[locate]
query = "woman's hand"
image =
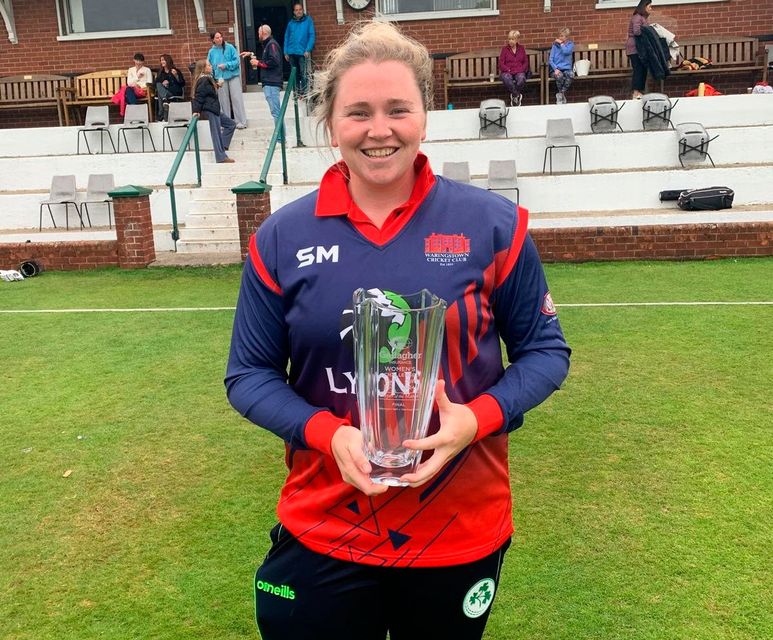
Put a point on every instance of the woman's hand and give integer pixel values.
(458, 426)
(347, 449)
(221, 66)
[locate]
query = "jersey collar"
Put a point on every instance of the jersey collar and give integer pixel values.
(334, 200)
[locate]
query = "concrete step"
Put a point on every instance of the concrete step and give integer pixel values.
(199, 246)
(220, 234)
(213, 220)
(218, 194)
(202, 208)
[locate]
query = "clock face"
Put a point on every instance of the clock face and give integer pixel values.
(358, 5)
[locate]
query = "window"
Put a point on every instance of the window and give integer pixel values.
(434, 9)
(616, 4)
(79, 19)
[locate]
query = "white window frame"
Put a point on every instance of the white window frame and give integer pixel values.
(617, 4)
(75, 7)
(436, 15)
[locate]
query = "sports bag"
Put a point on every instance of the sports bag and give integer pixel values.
(671, 194)
(706, 199)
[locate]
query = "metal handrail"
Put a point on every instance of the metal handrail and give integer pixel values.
(278, 134)
(191, 131)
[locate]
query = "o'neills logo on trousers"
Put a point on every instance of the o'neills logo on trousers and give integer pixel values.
(283, 591)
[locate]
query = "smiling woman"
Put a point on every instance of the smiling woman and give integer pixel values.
(347, 548)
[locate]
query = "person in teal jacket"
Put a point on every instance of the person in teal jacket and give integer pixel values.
(299, 41)
(226, 68)
(560, 63)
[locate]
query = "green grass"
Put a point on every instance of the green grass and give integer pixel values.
(643, 489)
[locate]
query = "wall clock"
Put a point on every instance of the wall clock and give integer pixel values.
(358, 5)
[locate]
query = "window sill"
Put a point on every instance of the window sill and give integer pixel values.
(100, 35)
(630, 4)
(437, 15)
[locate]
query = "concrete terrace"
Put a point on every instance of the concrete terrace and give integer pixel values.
(623, 172)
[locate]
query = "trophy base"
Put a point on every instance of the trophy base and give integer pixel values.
(390, 476)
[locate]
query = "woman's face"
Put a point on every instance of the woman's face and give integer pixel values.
(378, 122)
(163, 62)
(648, 8)
(208, 68)
(138, 64)
(512, 41)
(218, 39)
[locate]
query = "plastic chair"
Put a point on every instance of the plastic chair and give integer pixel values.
(99, 185)
(179, 117)
(656, 111)
(62, 192)
(135, 118)
(694, 142)
(502, 176)
(97, 119)
(603, 114)
(560, 135)
(459, 171)
(493, 118)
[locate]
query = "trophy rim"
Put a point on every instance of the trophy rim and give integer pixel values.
(437, 301)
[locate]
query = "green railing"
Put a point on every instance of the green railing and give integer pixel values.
(190, 132)
(278, 134)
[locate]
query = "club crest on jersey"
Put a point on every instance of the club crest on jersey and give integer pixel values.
(446, 249)
(548, 308)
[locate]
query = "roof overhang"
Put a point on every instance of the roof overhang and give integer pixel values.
(6, 10)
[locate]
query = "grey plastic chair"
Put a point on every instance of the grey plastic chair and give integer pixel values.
(560, 135)
(603, 114)
(693, 142)
(502, 176)
(178, 117)
(459, 171)
(97, 119)
(136, 118)
(493, 118)
(656, 112)
(99, 185)
(63, 191)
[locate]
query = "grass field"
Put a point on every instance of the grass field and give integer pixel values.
(643, 489)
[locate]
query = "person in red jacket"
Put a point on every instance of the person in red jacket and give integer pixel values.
(514, 68)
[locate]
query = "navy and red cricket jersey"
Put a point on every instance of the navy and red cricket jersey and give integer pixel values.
(465, 245)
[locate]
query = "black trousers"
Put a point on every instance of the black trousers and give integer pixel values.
(299, 62)
(639, 77)
(303, 595)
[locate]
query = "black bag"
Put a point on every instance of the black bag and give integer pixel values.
(706, 199)
(671, 194)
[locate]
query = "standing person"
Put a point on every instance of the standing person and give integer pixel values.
(560, 61)
(205, 101)
(226, 66)
(637, 21)
(170, 83)
(514, 67)
(346, 551)
(270, 64)
(299, 41)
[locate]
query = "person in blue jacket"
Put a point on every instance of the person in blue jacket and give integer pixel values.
(561, 64)
(226, 67)
(299, 41)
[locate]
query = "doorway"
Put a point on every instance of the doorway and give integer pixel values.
(276, 14)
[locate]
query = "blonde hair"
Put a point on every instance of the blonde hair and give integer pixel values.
(199, 71)
(565, 32)
(514, 34)
(370, 42)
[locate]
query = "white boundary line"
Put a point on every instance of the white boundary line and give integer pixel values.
(576, 305)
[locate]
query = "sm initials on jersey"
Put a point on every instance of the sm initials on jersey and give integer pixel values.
(316, 255)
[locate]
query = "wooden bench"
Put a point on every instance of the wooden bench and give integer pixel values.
(96, 88)
(476, 68)
(32, 91)
(728, 54)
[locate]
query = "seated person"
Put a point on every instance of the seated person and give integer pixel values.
(514, 67)
(170, 85)
(561, 64)
(139, 78)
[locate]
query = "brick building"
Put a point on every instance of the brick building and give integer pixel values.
(68, 37)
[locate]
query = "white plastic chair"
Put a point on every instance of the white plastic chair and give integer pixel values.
(693, 142)
(135, 118)
(559, 135)
(178, 117)
(99, 185)
(63, 191)
(493, 118)
(97, 119)
(458, 171)
(656, 111)
(502, 176)
(603, 114)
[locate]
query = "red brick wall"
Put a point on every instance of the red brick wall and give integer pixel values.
(666, 242)
(61, 256)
